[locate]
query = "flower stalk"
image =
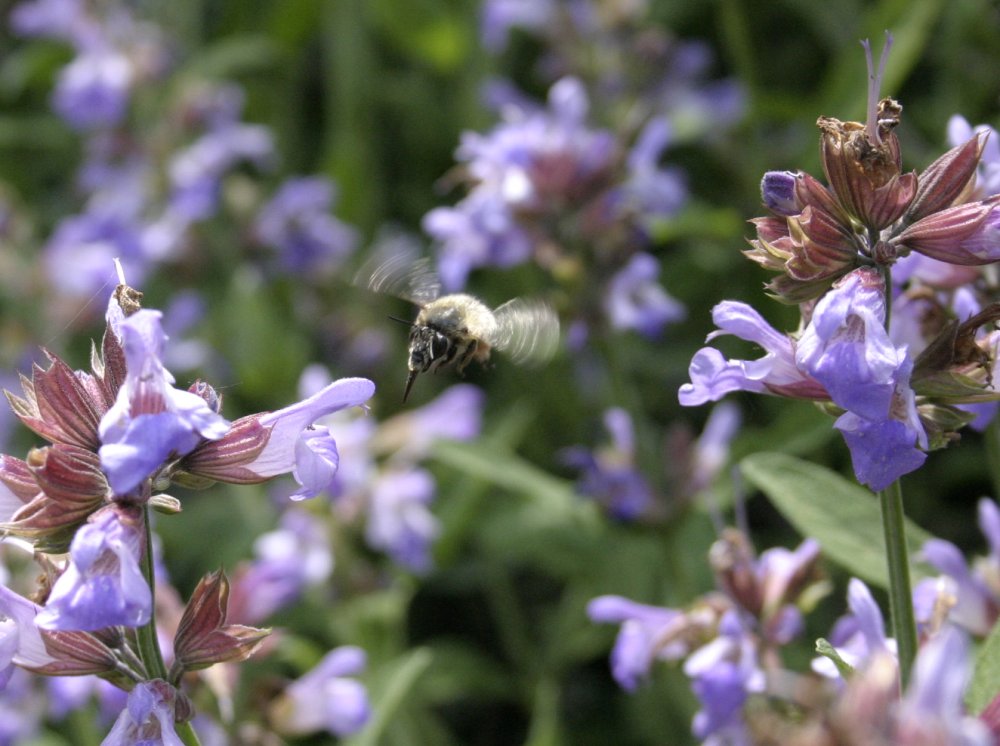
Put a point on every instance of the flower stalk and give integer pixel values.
(904, 624)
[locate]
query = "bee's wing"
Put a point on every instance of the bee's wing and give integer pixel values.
(402, 276)
(527, 330)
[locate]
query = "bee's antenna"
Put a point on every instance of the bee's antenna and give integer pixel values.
(402, 321)
(409, 383)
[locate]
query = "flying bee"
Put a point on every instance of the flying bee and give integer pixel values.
(456, 329)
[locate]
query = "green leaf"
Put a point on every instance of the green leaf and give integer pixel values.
(843, 517)
(824, 648)
(390, 690)
(985, 684)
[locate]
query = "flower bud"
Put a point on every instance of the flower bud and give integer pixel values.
(948, 179)
(203, 637)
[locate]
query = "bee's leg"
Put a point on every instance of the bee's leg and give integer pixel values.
(466, 356)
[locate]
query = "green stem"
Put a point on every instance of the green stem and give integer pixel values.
(904, 626)
(149, 644)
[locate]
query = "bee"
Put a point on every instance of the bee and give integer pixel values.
(457, 329)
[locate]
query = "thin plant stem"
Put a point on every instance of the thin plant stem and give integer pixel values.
(904, 626)
(149, 644)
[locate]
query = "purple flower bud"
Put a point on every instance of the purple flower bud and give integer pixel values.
(103, 585)
(777, 190)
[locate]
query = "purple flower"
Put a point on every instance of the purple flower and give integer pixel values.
(150, 420)
(723, 673)
(456, 414)
(103, 585)
(932, 710)
(712, 376)
(55, 19)
(479, 232)
(650, 191)
(535, 162)
(399, 521)
(972, 593)
(297, 223)
(196, 172)
(858, 636)
(325, 699)
(295, 446)
(79, 254)
(635, 300)
(92, 91)
(711, 450)
(610, 474)
(287, 561)
(148, 717)
(648, 633)
(500, 16)
(20, 641)
(846, 348)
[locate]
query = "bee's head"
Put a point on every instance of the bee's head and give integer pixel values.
(429, 348)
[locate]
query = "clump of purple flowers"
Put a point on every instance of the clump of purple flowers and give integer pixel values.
(897, 393)
(118, 437)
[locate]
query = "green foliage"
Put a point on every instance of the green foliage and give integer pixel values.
(985, 684)
(841, 516)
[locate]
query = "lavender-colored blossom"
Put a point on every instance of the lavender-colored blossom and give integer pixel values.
(288, 560)
(21, 639)
(846, 348)
(651, 191)
(988, 175)
(295, 447)
(500, 16)
(150, 420)
(21, 710)
(479, 232)
(103, 585)
(399, 520)
(79, 255)
(55, 19)
(609, 475)
(635, 300)
(712, 376)
(148, 718)
(456, 414)
(711, 450)
(972, 594)
(326, 698)
(932, 710)
(724, 672)
(92, 91)
(297, 223)
(535, 161)
(858, 636)
(196, 172)
(645, 636)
